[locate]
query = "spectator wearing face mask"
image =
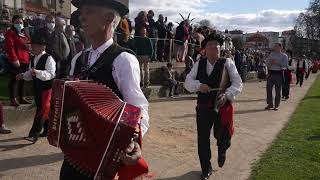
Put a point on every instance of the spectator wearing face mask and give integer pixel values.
(47, 32)
(17, 50)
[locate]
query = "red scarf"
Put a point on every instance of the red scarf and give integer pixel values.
(226, 121)
(132, 172)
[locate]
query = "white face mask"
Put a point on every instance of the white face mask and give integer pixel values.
(51, 26)
(73, 33)
(64, 28)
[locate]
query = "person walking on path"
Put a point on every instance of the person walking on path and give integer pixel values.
(212, 108)
(276, 63)
(302, 69)
(287, 79)
(42, 70)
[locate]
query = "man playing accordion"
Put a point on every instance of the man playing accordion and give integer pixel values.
(109, 64)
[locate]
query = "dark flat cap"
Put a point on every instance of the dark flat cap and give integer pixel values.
(37, 39)
(119, 5)
(213, 37)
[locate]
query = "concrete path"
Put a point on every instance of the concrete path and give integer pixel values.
(170, 146)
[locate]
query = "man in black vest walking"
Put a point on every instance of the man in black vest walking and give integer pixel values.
(205, 78)
(108, 63)
(301, 69)
(42, 71)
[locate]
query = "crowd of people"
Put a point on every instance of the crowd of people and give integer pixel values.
(43, 49)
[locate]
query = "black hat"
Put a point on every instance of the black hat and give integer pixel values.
(119, 5)
(212, 37)
(75, 20)
(37, 39)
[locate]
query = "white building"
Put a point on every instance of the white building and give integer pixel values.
(39, 6)
(273, 37)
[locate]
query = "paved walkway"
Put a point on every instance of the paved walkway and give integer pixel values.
(170, 145)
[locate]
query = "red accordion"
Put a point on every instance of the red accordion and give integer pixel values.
(92, 126)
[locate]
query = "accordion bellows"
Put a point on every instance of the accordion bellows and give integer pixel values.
(92, 126)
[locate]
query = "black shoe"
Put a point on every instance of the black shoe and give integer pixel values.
(32, 139)
(276, 108)
(287, 97)
(45, 129)
(24, 101)
(44, 134)
(268, 107)
(14, 102)
(221, 158)
(206, 176)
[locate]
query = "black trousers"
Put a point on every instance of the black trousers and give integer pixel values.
(13, 83)
(206, 118)
(62, 68)
(300, 77)
(173, 86)
(67, 172)
(38, 121)
(160, 50)
(274, 79)
(286, 87)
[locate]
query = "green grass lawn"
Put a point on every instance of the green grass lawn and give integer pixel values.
(295, 154)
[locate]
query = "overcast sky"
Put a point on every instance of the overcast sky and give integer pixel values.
(247, 15)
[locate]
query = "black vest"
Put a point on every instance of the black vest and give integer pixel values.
(101, 70)
(212, 80)
(40, 85)
(303, 66)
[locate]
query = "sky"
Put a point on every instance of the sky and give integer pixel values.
(246, 15)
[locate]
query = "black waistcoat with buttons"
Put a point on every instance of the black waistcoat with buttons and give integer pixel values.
(101, 70)
(40, 85)
(212, 80)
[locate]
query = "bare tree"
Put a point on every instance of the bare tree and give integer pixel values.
(307, 30)
(205, 22)
(238, 42)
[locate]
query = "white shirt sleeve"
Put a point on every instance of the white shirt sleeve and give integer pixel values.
(126, 75)
(27, 75)
(73, 63)
(191, 84)
(49, 73)
(236, 82)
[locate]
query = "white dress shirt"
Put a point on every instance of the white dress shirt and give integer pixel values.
(126, 74)
(193, 85)
(300, 64)
(43, 75)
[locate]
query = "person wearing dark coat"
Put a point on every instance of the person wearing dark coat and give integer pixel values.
(162, 35)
